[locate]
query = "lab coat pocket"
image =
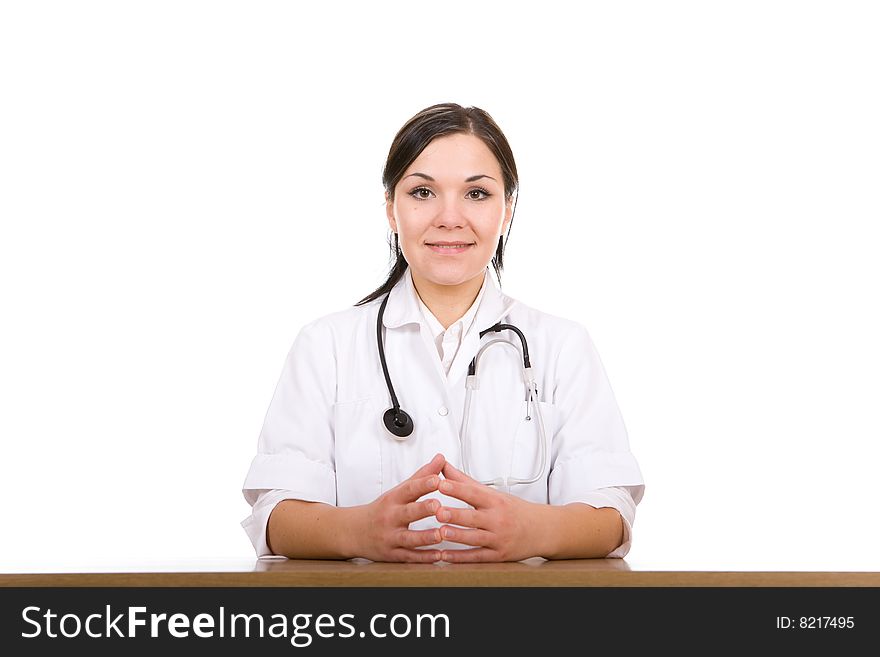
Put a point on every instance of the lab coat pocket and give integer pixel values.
(358, 452)
(527, 456)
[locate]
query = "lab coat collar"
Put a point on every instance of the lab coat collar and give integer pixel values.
(403, 306)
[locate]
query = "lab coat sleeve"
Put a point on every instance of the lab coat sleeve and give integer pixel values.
(591, 458)
(294, 457)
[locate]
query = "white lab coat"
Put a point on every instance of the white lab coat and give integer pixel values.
(323, 439)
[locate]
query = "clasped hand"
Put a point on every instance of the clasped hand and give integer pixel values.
(499, 527)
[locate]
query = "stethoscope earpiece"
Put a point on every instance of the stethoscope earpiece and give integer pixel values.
(398, 423)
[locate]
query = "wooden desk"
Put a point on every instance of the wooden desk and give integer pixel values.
(533, 572)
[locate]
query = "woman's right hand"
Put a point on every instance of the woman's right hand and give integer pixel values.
(381, 531)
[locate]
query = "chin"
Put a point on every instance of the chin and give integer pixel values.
(449, 275)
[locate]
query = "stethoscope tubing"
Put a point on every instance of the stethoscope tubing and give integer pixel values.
(400, 425)
(473, 383)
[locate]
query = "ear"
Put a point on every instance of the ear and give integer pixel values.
(508, 215)
(389, 212)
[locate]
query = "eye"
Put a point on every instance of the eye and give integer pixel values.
(478, 194)
(421, 193)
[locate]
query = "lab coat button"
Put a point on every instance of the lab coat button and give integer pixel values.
(443, 410)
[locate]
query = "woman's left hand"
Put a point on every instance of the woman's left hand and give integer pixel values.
(501, 527)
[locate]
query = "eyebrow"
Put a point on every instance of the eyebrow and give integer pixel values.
(469, 179)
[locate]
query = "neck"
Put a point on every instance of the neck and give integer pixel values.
(448, 302)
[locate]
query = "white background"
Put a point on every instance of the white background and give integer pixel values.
(183, 185)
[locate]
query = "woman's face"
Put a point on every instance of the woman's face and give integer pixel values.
(452, 194)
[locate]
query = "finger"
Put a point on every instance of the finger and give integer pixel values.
(412, 489)
(418, 510)
(476, 537)
(477, 495)
(451, 472)
(415, 556)
(412, 538)
(471, 555)
(463, 517)
(434, 466)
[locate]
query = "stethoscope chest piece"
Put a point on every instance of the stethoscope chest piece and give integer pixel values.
(398, 423)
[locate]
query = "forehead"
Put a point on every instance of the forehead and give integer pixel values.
(457, 155)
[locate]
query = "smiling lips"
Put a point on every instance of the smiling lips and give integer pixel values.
(448, 247)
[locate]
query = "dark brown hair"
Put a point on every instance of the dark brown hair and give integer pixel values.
(438, 121)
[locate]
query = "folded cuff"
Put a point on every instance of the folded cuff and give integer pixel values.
(574, 477)
(313, 481)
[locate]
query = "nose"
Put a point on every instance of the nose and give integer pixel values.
(450, 214)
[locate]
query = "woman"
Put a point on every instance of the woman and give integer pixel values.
(525, 456)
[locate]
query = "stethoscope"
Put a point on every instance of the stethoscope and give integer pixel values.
(400, 424)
